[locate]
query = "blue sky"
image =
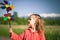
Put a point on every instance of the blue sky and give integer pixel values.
(25, 7)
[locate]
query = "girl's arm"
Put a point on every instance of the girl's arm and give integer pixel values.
(14, 36)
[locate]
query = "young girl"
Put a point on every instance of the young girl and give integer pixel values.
(35, 30)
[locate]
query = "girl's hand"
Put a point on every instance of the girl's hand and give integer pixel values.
(10, 30)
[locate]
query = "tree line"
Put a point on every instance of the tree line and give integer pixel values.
(24, 21)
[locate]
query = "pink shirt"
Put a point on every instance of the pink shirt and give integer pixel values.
(28, 35)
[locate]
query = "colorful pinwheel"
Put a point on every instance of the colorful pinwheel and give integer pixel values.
(8, 5)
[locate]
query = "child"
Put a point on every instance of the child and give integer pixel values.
(35, 30)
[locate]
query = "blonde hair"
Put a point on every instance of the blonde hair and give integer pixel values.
(39, 23)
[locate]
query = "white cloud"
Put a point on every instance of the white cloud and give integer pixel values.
(48, 14)
(42, 14)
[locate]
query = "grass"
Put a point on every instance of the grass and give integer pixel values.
(4, 31)
(55, 35)
(51, 32)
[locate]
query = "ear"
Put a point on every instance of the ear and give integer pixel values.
(40, 21)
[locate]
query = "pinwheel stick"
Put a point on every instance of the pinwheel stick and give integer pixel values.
(9, 22)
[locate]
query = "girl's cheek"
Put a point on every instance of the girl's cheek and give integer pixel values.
(32, 22)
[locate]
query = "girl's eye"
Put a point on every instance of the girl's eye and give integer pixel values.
(29, 19)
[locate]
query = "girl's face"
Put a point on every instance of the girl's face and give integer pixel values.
(33, 20)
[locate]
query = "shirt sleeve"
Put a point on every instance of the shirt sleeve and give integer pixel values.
(14, 36)
(42, 36)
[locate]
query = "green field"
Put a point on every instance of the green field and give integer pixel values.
(51, 32)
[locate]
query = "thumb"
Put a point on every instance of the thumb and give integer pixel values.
(10, 30)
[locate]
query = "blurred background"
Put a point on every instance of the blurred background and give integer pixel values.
(49, 10)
